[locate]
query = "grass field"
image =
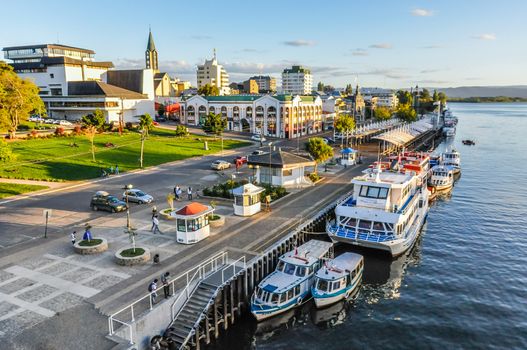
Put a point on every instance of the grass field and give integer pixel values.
(55, 159)
(9, 189)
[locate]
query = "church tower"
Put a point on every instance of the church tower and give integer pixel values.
(151, 54)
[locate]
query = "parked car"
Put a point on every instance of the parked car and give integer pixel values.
(104, 201)
(258, 137)
(48, 121)
(240, 159)
(65, 123)
(161, 118)
(56, 122)
(35, 118)
(137, 196)
(220, 165)
(258, 152)
(328, 140)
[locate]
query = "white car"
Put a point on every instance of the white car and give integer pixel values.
(137, 196)
(65, 123)
(35, 119)
(258, 137)
(56, 122)
(220, 165)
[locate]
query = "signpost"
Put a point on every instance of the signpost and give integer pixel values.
(47, 215)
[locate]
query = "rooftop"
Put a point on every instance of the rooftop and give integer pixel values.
(192, 209)
(385, 178)
(98, 88)
(53, 46)
(280, 159)
(297, 69)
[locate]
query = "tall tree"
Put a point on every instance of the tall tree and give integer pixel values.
(146, 123)
(18, 99)
(214, 124)
(95, 119)
(319, 150)
(209, 90)
(349, 90)
(320, 86)
(435, 96)
(406, 112)
(345, 124)
(442, 97)
(405, 97)
(382, 113)
(424, 95)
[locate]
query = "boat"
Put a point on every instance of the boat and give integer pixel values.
(338, 279)
(452, 158)
(442, 177)
(469, 142)
(289, 285)
(386, 210)
(449, 131)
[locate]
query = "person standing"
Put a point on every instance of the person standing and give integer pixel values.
(116, 169)
(154, 212)
(155, 225)
(87, 233)
(166, 286)
(73, 238)
(152, 288)
(179, 192)
(189, 193)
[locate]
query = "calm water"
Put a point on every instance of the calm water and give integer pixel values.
(463, 286)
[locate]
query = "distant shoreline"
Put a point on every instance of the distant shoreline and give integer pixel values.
(497, 99)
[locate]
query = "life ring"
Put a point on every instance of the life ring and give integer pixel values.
(298, 301)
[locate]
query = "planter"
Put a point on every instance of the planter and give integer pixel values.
(218, 222)
(141, 259)
(91, 249)
(165, 214)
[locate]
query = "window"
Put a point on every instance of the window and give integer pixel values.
(289, 269)
(290, 294)
(297, 290)
(280, 266)
(51, 75)
(373, 192)
(275, 299)
(287, 172)
(301, 271)
(181, 226)
(365, 224)
(322, 285)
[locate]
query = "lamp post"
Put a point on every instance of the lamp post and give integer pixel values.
(128, 221)
(270, 162)
(143, 136)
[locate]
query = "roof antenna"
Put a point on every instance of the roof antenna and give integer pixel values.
(58, 41)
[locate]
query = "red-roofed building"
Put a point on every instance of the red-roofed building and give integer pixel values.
(192, 222)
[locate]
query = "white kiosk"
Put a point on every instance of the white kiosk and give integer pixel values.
(192, 222)
(348, 156)
(247, 200)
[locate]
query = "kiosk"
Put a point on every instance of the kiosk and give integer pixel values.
(348, 156)
(247, 200)
(192, 222)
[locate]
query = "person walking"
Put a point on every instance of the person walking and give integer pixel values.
(189, 193)
(155, 225)
(116, 169)
(166, 286)
(73, 238)
(154, 212)
(152, 288)
(179, 192)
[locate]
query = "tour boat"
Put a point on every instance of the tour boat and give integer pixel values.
(452, 158)
(386, 210)
(290, 284)
(337, 279)
(449, 131)
(442, 177)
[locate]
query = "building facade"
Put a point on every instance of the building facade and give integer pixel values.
(283, 116)
(297, 80)
(266, 84)
(151, 54)
(380, 97)
(213, 74)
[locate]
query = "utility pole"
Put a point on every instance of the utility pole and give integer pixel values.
(142, 147)
(121, 118)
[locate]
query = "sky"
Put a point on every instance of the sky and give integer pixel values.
(392, 44)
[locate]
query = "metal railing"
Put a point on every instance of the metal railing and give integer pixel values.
(233, 265)
(146, 302)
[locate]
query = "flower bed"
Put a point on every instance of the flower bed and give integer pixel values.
(93, 246)
(166, 213)
(216, 220)
(127, 256)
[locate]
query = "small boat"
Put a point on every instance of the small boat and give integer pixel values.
(338, 279)
(442, 178)
(469, 142)
(452, 158)
(449, 131)
(290, 284)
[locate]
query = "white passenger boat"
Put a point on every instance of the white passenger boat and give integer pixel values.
(337, 279)
(449, 131)
(386, 210)
(442, 178)
(452, 158)
(290, 284)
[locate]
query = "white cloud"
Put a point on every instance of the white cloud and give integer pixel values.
(422, 13)
(436, 46)
(299, 42)
(381, 46)
(487, 36)
(359, 52)
(391, 73)
(434, 70)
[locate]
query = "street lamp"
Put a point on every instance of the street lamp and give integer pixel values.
(270, 168)
(143, 136)
(128, 221)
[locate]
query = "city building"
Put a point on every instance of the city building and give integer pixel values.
(284, 116)
(332, 106)
(266, 84)
(213, 74)
(297, 80)
(380, 97)
(151, 54)
(250, 87)
(72, 84)
(356, 106)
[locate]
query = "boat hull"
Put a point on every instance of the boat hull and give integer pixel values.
(266, 313)
(323, 300)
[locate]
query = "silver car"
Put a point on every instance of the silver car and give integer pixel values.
(137, 196)
(220, 165)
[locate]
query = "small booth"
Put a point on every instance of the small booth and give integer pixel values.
(348, 156)
(247, 200)
(192, 222)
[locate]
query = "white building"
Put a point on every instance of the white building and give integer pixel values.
(72, 84)
(297, 80)
(380, 97)
(266, 83)
(213, 74)
(280, 168)
(282, 116)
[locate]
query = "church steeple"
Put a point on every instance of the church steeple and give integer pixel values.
(151, 53)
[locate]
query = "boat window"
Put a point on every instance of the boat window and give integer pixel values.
(353, 274)
(290, 294)
(275, 299)
(322, 285)
(289, 269)
(336, 285)
(310, 269)
(363, 191)
(364, 224)
(378, 226)
(301, 271)
(352, 222)
(373, 192)
(383, 193)
(297, 290)
(280, 266)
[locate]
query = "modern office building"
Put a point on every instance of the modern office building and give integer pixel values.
(284, 116)
(297, 80)
(266, 84)
(378, 97)
(213, 74)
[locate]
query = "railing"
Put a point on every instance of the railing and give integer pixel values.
(364, 235)
(143, 305)
(233, 265)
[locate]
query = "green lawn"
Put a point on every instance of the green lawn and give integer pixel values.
(8, 189)
(55, 159)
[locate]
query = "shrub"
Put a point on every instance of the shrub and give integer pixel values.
(181, 130)
(129, 126)
(275, 192)
(314, 177)
(23, 127)
(128, 253)
(77, 130)
(59, 131)
(6, 155)
(108, 126)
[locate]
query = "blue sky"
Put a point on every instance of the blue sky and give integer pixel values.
(377, 43)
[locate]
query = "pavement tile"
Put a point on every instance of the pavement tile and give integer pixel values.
(103, 282)
(37, 293)
(19, 322)
(62, 302)
(16, 285)
(4, 276)
(78, 275)
(6, 307)
(58, 268)
(34, 263)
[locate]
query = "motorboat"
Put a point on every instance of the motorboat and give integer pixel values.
(452, 158)
(338, 279)
(469, 142)
(442, 177)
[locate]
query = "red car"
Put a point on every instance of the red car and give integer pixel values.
(240, 160)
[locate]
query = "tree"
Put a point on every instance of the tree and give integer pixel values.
(18, 99)
(319, 150)
(405, 97)
(406, 112)
(209, 90)
(382, 113)
(214, 124)
(328, 89)
(424, 96)
(349, 90)
(146, 123)
(435, 96)
(161, 110)
(345, 124)
(442, 97)
(90, 132)
(320, 86)
(6, 154)
(95, 119)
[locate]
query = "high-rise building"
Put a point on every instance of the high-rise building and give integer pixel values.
(213, 74)
(151, 54)
(266, 84)
(297, 80)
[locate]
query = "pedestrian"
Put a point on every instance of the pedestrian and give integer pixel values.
(154, 212)
(189, 193)
(87, 234)
(179, 192)
(73, 238)
(155, 225)
(111, 169)
(166, 286)
(116, 169)
(152, 288)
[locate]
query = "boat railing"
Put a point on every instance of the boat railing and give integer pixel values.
(361, 233)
